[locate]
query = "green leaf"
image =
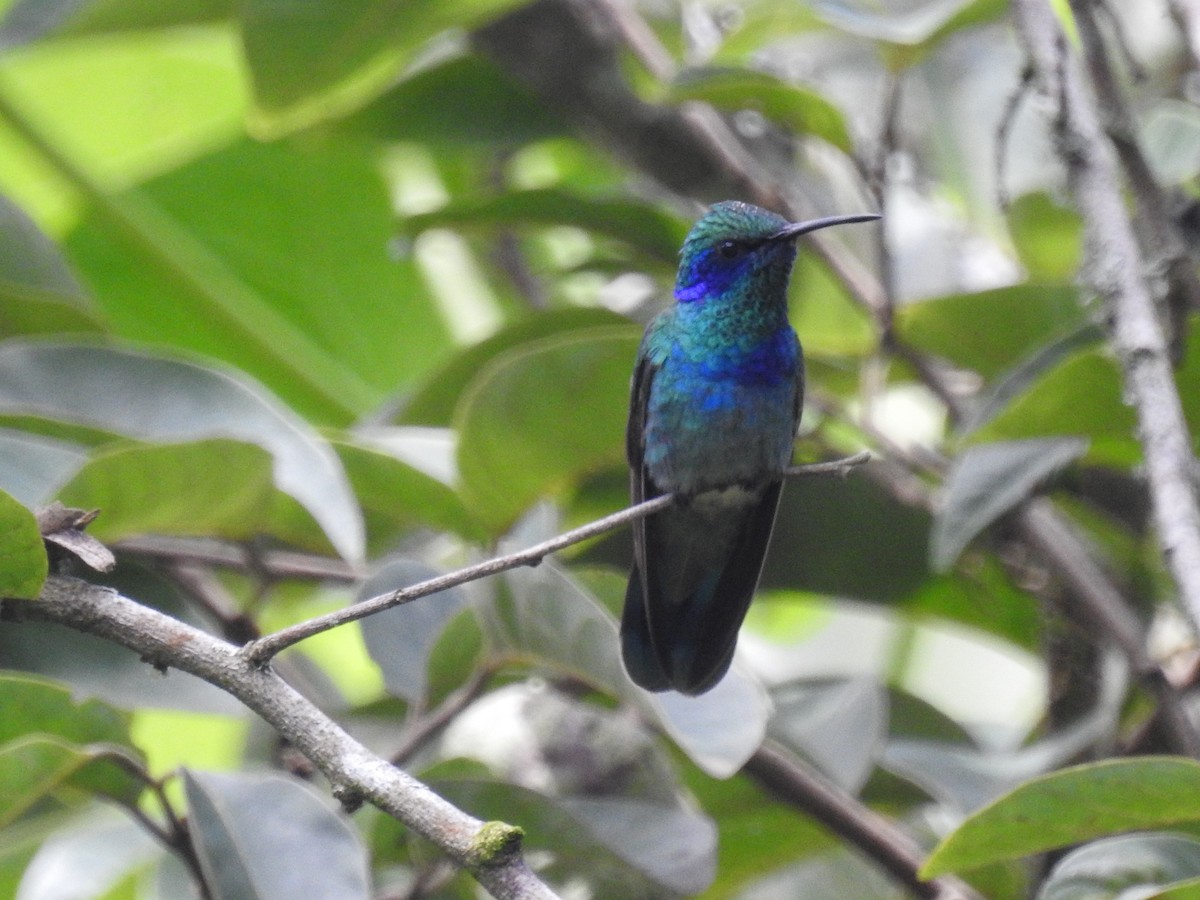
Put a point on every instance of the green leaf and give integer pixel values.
(989, 331)
(321, 58)
(31, 20)
(1077, 804)
(1188, 889)
(152, 101)
(36, 705)
(58, 734)
(38, 292)
(1122, 867)
(401, 639)
(646, 229)
(1027, 372)
(36, 766)
(541, 416)
(964, 777)
(397, 497)
(1080, 396)
(433, 402)
(989, 480)
(23, 562)
(30, 769)
(274, 258)
(1048, 237)
(160, 399)
(464, 101)
(800, 110)
(214, 487)
(307, 851)
(829, 322)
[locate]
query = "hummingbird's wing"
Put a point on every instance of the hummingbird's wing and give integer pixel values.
(637, 648)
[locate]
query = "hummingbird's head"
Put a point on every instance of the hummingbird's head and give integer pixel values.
(740, 247)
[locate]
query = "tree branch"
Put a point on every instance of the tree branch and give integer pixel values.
(1169, 251)
(1117, 274)
(260, 651)
(353, 770)
(859, 825)
(1186, 14)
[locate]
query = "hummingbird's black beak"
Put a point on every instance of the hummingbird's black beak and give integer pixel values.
(795, 229)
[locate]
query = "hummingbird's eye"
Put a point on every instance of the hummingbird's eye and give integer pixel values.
(731, 249)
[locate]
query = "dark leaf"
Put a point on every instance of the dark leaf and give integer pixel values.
(625, 848)
(400, 639)
(264, 837)
(64, 527)
(989, 480)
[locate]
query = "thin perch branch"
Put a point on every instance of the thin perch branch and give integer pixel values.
(349, 766)
(262, 650)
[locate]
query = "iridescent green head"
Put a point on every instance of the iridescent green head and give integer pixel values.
(740, 247)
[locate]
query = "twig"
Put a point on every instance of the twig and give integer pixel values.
(351, 767)
(226, 555)
(861, 826)
(262, 650)
(206, 590)
(174, 835)
(1008, 116)
(1117, 275)
(427, 726)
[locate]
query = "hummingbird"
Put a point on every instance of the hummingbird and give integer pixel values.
(715, 402)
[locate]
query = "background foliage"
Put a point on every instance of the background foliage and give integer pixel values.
(364, 281)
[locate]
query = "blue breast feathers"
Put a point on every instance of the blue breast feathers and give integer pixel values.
(767, 363)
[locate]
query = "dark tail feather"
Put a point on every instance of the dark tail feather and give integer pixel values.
(637, 649)
(687, 643)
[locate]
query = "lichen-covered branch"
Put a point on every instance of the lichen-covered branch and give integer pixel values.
(490, 851)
